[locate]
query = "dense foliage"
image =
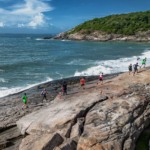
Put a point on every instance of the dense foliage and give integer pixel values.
(143, 141)
(127, 24)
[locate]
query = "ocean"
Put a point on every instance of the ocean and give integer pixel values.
(27, 60)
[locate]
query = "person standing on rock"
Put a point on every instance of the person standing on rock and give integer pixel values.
(82, 83)
(44, 95)
(64, 88)
(24, 99)
(130, 68)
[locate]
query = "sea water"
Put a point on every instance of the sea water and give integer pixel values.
(28, 60)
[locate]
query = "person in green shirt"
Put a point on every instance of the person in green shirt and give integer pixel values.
(143, 62)
(24, 99)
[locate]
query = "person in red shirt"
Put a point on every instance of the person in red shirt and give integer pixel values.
(101, 78)
(82, 82)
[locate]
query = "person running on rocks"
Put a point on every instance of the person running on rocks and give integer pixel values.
(82, 83)
(64, 88)
(44, 95)
(144, 62)
(130, 68)
(24, 99)
(135, 68)
(101, 78)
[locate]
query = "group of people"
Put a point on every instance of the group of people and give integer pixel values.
(44, 93)
(63, 90)
(134, 68)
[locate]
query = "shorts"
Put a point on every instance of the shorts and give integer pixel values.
(100, 79)
(82, 84)
(130, 69)
(62, 89)
(24, 101)
(44, 95)
(135, 69)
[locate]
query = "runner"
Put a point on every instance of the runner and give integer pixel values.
(82, 83)
(44, 96)
(144, 62)
(135, 68)
(101, 78)
(130, 68)
(24, 99)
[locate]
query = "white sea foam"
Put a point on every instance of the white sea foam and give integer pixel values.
(39, 39)
(2, 70)
(2, 80)
(4, 91)
(65, 40)
(61, 75)
(113, 66)
(80, 62)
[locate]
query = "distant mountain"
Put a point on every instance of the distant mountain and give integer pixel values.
(132, 26)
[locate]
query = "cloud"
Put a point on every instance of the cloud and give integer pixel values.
(1, 24)
(31, 7)
(29, 13)
(20, 25)
(37, 20)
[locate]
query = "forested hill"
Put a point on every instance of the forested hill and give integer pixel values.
(124, 27)
(127, 24)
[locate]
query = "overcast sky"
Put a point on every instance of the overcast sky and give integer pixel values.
(53, 16)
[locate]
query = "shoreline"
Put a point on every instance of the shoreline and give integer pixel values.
(75, 79)
(53, 87)
(96, 40)
(97, 36)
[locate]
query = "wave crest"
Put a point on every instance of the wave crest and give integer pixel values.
(4, 91)
(113, 66)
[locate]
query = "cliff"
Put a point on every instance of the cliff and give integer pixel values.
(100, 117)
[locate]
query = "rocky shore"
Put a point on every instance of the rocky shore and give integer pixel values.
(11, 108)
(102, 36)
(101, 117)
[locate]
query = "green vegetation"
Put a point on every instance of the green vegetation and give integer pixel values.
(126, 24)
(142, 143)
